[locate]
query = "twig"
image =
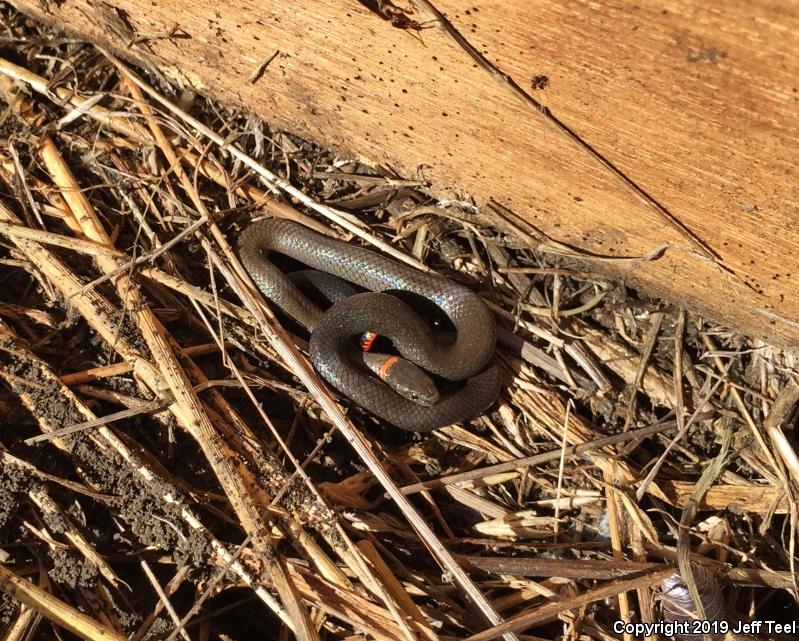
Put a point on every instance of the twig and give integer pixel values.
(535, 459)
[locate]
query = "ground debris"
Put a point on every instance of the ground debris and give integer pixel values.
(223, 485)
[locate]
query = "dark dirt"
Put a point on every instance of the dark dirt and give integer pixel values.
(152, 521)
(71, 569)
(8, 609)
(13, 483)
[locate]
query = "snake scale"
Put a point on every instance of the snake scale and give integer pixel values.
(467, 359)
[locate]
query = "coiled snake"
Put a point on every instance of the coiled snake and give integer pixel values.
(376, 310)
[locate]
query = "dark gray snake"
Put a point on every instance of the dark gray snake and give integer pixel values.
(377, 311)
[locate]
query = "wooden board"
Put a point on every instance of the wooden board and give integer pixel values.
(678, 118)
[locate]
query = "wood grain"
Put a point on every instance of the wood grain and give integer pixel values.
(681, 117)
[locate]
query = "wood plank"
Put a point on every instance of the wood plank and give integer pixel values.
(694, 104)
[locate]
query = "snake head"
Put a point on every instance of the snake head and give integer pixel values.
(410, 381)
(404, 377)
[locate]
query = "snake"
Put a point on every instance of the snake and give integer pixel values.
(384, 301)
